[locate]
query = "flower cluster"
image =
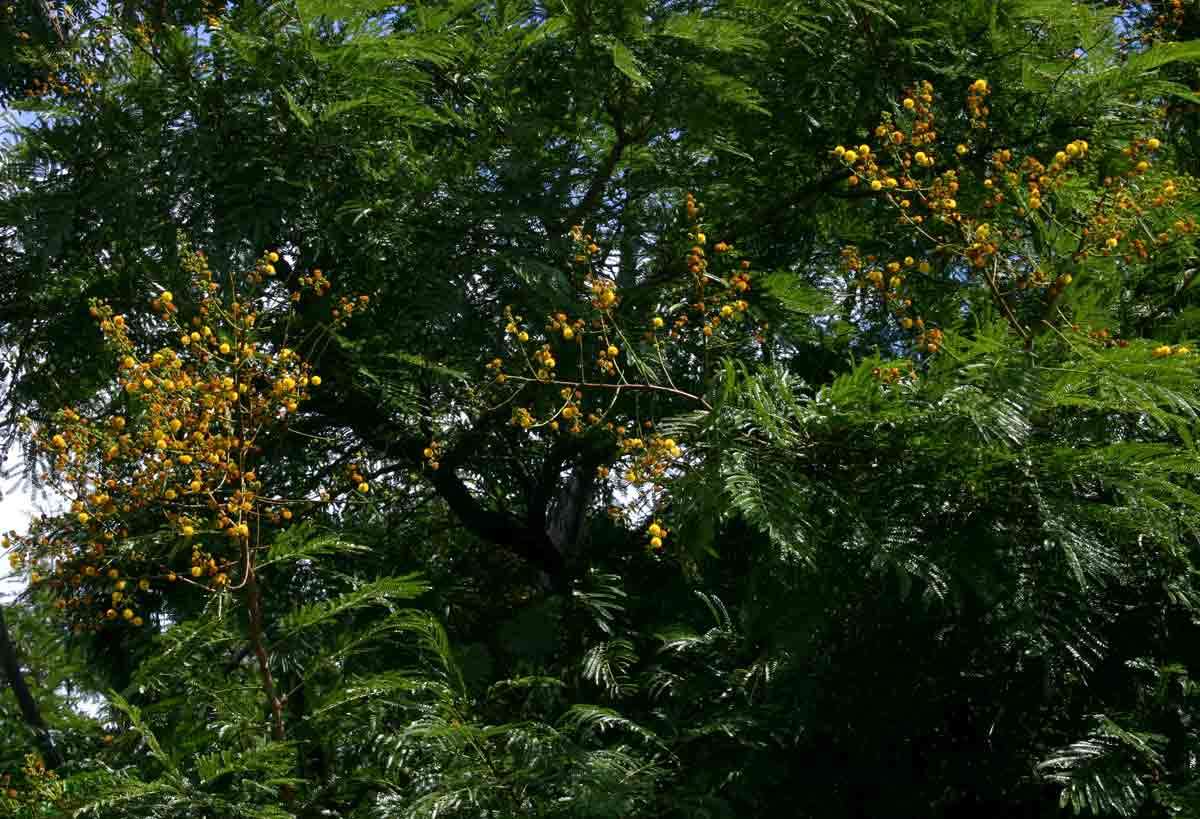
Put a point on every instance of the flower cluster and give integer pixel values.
(1165, 350)
(576, 371)
(35, 788)
(987, 216)
(179, 453)
(648, 458)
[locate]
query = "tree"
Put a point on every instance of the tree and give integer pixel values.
(609, 408)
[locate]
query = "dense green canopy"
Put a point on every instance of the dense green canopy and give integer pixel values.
(861, 483)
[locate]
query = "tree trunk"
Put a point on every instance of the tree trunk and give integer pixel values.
(254, 609)
(25, 701)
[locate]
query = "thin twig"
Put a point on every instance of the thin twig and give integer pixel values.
(619, 387)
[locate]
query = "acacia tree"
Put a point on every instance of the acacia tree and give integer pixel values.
(760, 414)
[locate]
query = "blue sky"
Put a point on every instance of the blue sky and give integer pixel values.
(15, 501)
(16, 506)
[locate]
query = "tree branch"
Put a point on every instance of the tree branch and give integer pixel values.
(254, 610)
(998, 297)
(599, 184)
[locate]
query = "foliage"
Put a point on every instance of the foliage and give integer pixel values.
(609, 408)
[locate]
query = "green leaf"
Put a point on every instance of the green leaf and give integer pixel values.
(334, 9)
(795, 295)
(381, 592)
(627, 64)
(302, 542)
(712, 33)
(305, 117)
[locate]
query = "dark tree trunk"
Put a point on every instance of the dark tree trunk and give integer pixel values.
(25, 701)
